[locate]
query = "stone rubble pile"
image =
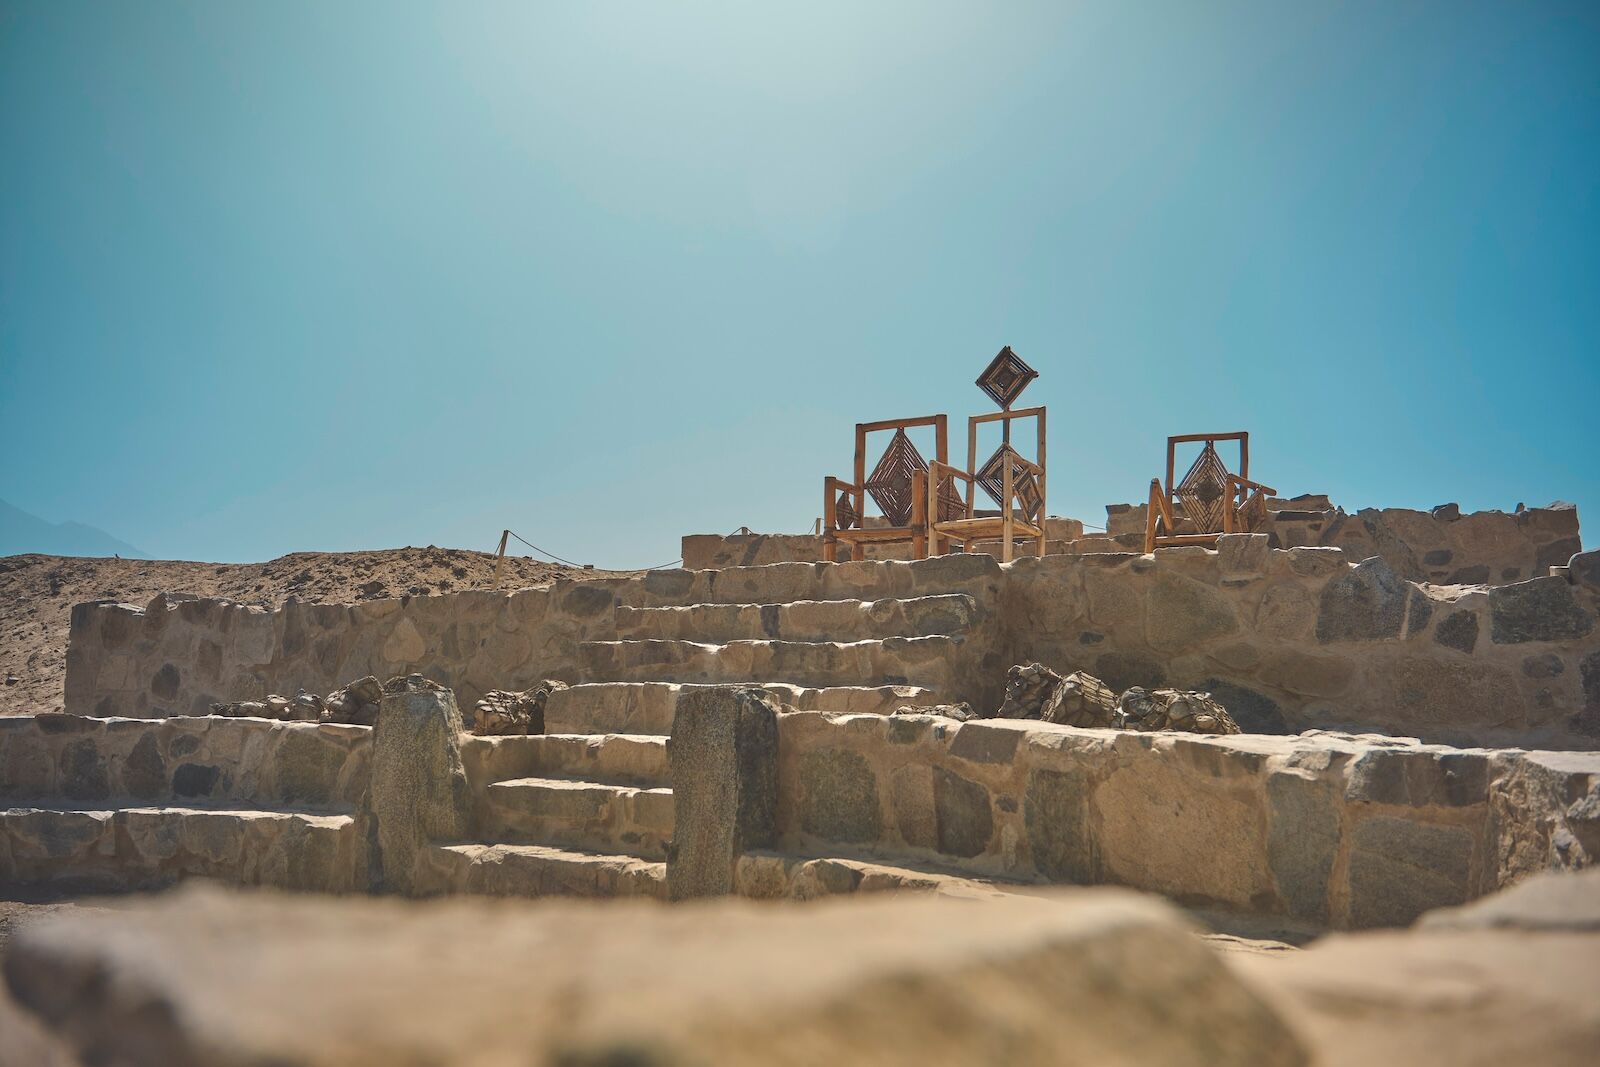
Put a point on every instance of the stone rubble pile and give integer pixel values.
(504, 712)
(959, 712)
(1173, 709)
(356, 703)
(1034, 691)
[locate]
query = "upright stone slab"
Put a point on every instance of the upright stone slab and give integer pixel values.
(723, 755)
(419, 791)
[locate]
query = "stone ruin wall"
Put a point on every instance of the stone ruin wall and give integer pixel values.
(1333, 830)
(704, 552)
(1325, 829)
(1442, 546)
(269, 803)
(1288, 639)
(179, 655)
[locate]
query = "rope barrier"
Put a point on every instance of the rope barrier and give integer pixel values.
(561, 559)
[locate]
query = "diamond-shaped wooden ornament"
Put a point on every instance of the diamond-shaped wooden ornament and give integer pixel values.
(844, 511)
(951, 504)
(1203, 493)
(991, 478)
(890, 481)
(1006, 377)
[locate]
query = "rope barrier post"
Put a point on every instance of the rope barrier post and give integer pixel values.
(500, 557)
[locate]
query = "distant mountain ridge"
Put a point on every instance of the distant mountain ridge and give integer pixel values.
(21, 532)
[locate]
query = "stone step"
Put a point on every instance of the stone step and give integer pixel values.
(615, 759)
(121, 849)
(782, 583)
(772, 875)
(585, 815)
(540, 871)
(802, 620)
(922, 661)
(649, 707)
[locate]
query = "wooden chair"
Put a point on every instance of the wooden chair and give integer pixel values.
(1212, 500)
(898, 485)
(1014, 482)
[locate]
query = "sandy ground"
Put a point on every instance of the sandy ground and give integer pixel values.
(37, 594)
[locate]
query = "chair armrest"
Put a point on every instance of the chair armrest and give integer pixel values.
(831, 488)
(1246, 483)
(944, 468)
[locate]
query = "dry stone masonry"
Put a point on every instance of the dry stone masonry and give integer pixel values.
(1300, 736)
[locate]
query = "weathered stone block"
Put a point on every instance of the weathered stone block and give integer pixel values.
(1055, 813)
(1540, 609)
(982, 742)
(1183, 613)
(1302, 841)
(723, 755)
(1432, 691)
(307, 767)
(839, 796)
(1583, 570)
(1400, 868)
(1458, 630)
(1158, 828)
(964, 815)
(83, 771)
(1588, 720)
(419, 792)
(912, 789)
(1287, 613)
(1419, 779)
(195, 779)
(144, 775)
(1243, 554)
(1368, 603)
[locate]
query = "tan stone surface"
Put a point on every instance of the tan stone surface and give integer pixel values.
(1447, 998)
(1090, 977)
(1332, 829)
(37, 594)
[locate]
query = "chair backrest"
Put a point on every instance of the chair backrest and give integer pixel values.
(1205, 493)
(1029, 483)
(891, 479)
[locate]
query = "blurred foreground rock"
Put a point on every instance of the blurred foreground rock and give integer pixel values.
(202, 976)
(1510, 979)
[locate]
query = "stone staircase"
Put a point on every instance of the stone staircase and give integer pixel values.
(112, 805)
(565, 815)
(586, 809)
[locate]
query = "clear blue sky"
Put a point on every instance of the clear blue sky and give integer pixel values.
(281, 276)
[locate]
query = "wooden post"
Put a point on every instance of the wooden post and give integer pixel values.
(830, 519)
(1008, 479)
(500, 557)
(919, 514)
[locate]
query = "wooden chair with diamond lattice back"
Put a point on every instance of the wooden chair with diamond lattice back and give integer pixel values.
(1012, 481)
(898, 485)
(1211, 500)
(1016, 484)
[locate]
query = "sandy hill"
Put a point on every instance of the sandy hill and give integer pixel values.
(37, 594)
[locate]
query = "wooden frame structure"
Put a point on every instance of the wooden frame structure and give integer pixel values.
(1017, 482)
(900, 471)
(1213, 500)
